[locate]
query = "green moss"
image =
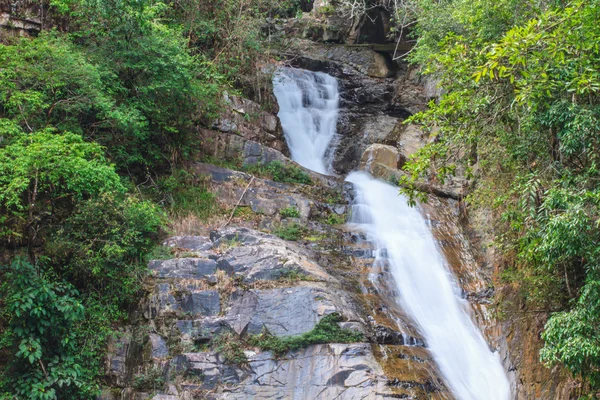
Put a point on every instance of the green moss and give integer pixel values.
(326, 331)
(289, 274)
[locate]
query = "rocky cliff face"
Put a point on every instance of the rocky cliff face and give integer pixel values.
(21, 18)
(239, 281)
(285, 265)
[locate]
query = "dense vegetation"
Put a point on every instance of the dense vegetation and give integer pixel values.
(97, 118)
(98, 115)
(521, 116)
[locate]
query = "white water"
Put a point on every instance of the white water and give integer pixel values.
(308, 110)
(308, 104)
(428, 291)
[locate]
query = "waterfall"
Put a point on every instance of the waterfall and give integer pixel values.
(427, 290)
(308, 110)
(308, 103)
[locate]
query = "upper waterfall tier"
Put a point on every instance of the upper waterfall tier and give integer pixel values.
(308, 110)
(427, 290)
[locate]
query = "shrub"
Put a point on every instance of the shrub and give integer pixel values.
(326, 331)
(291, 232)
(102, 246)
(280, 172)
(42, 322)
(43, 175)
(230, 347)
(289, 212)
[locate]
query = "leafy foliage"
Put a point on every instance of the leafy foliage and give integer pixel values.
(43, 175)
(520, 117)
(98, 114)
(44, 314)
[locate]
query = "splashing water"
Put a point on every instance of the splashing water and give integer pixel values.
(427, 290)
(308, 110)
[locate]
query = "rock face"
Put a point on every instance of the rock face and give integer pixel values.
(353, 60)
(191, 336)
(244, 134)
(382, 154)
(21, 18)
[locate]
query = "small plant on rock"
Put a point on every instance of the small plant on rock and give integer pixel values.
(230, 347)
(151, 379)
(326, 331)
(280, 172)
(289, 212)
(291, 232)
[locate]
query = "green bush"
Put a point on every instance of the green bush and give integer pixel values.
(43, 175)
(102, 246)
(521, 117)
(280, 172)
(43, 317)
(289, 212)
(326, 331)
(291, 232)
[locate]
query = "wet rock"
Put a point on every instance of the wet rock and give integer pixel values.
(351, 59)
(385, 335)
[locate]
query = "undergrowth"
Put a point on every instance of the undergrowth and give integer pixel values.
(280, 172)
(326, 331)
(231, 346)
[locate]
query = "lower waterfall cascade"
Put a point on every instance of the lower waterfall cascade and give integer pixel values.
(427, 289)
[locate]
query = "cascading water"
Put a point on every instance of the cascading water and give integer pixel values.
(427, 290)
(308, 104)
(308, 110)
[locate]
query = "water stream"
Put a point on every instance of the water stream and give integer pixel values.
(427, 289)
(308, 110)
